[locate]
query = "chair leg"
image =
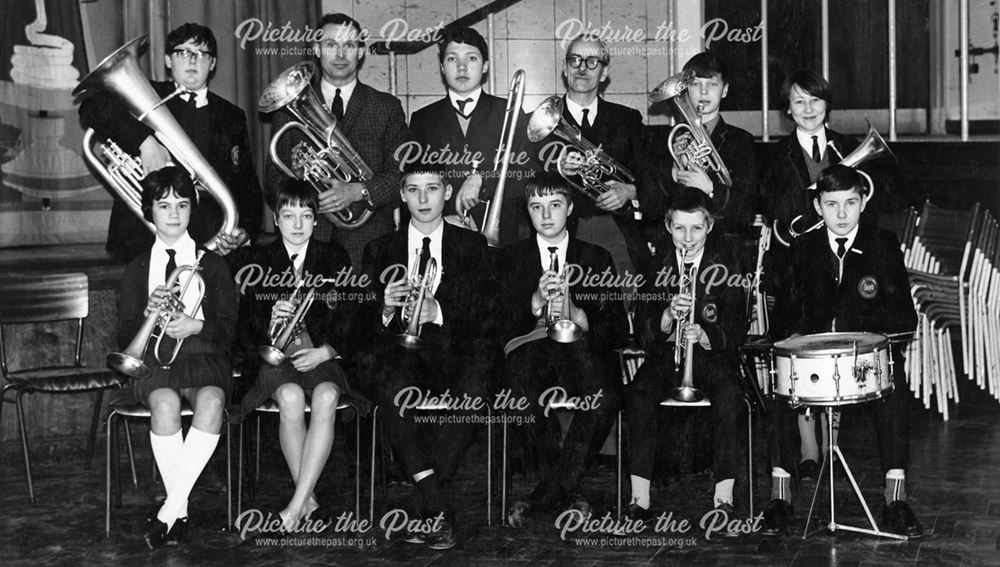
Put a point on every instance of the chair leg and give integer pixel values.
(503, 477)
(357, 466)
(24, 445)
(94, 421)
(239, 475)
(618, 469)
(256, 453)
(751, 481)
(371, 484)
(229, 475)
(109, 440)
(131, 455)
(489, 467)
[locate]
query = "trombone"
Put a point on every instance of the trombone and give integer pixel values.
(683, 349)
(282, 332)
(501, 161)
(130, 362)
(419, 288)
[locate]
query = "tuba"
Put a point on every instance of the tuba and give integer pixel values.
(130, 361)
(119, 74)
(871, 147)
(419, 288)
(699, 151)
(283, 332)
(326, 154)
(597, 165)
(684, 350)
(491, 223)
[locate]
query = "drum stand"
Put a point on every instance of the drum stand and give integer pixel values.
(832, 450)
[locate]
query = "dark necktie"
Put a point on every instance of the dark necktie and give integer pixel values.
(425, 254)
(554, 258)
(816, 155)
(585, 124)
(171, 265)
(841, 246)
(461, 106)
(192, 99)
(294, 269)
(687, 267)
(337, 107)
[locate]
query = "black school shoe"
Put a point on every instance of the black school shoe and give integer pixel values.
(443, 537)
(156, 533)
(777, 516)
(898, 518)
(177, 532)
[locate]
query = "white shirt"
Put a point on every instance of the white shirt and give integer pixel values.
(847, 248)
(469, 106)
(201, 96)
(330, 91)
(806, 141)
(186, 254)
(576, 111)
(414, 244)
(546, 255)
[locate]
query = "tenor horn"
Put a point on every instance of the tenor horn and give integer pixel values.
(699, 152)
(325, 154)
(683, 349)
(597, 167)
(119, 74)
(130, 362)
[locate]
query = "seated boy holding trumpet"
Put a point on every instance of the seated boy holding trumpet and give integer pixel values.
(691, 294)
(200, 371)
(428, 328)
(578, 362)
(295, 337)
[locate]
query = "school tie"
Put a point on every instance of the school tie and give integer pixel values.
(425, 255)
(337, 107)
(816, 155)
(461, 106)
(841, 246)
(171, 265)
(554, 257)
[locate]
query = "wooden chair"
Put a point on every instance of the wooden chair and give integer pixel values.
(44, 299)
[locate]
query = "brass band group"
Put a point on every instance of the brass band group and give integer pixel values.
(478, 252)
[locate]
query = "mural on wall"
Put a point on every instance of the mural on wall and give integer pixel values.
(46, 184)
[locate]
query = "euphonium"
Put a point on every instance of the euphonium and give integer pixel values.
(501, 161)
(597, 165)
(283, 332)
(558, 325)
(418, 291)
(326, 154)
(119, 74)
(130, 361)
(699, 152)
(683, 349)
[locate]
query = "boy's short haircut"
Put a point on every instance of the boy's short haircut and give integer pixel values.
(162, 182)
(707, 65)
(690, 200)
(468, 36)
(812, 83)
(295, 192)
(195, 33)
(840, 178)
(545, 184)
(422, 170)
(340, 19)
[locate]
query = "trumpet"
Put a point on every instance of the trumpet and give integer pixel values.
(419, 288)
(119, 74)
(285, 330)
(597, 165)
(558, 325)
(698, 152)
(326, 154)
(130, 361)
(683, 349)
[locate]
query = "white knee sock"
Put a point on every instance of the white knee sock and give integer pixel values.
(895, 485)
(640, 491)
(724, 491)
(167, 453)
(781, 484)
(198, 449)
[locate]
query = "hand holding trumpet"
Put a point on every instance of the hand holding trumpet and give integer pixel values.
(399, 294)
(180, 325)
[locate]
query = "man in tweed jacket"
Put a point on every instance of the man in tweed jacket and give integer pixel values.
(372, 121)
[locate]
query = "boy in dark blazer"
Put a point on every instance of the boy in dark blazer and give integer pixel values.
(718, 330)
(452, 324)
(217, 127)
(585, 369)
(849, 276)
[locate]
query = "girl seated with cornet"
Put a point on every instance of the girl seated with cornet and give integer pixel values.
(200, 371)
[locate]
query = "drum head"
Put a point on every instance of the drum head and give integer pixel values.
(826, 344)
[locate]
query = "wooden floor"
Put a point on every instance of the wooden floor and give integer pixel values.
(953, 484)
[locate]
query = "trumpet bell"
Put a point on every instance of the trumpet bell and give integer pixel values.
(128, 365)
(686, 395)
(564, 331)
(271, 355)
(412, 342)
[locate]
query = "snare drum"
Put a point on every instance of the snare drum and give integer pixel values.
(831, 369)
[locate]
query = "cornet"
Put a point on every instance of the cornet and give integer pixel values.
(326, 154)
(130, 361)
(683, 349)
(699, 152)
(284, 331)
(119, 75)
(419, 288)
(597, 165)
(558, 325)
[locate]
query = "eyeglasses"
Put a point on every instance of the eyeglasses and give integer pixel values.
(192, 56)
(591, 62)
